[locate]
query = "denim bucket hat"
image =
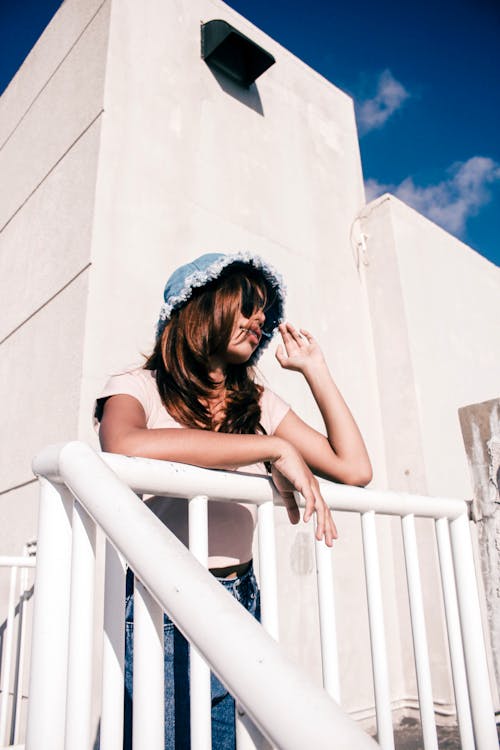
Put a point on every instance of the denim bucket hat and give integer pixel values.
(209, 267)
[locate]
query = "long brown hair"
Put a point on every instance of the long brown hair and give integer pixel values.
(198, 331)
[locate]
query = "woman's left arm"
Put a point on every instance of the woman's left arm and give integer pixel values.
(342, 455)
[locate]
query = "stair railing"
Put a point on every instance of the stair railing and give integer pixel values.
(81, 490)
(13, 646)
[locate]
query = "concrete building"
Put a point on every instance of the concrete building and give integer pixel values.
(122, 154)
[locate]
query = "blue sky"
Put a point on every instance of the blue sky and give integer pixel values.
(425, 78)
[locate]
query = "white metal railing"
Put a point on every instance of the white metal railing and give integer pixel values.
(13, 643)
(264, 683)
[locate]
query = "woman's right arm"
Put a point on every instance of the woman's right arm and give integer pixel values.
(124, 430)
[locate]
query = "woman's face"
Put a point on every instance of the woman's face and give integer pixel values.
(245, 337)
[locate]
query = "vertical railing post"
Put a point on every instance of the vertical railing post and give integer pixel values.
(148, 725)
(49, 645)
(385, 733)
(12, 689)
(419, 634)
(454, 635)
(16, 736)
(7, 664)
(111, 735)
(199, 677)
(483, 716)
(327, 620)
(267, 569)
(81, 632)
(248, 736)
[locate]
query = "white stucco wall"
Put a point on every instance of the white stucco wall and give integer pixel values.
(435, 305)
(48, 160)
(123, 156)
(202, 165)
(49, 145)
(453, 335)
(434, 313)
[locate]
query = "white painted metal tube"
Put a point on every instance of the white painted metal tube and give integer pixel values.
(24, 563)
(267, 570)
(148, 689)
(454, 635)
(7, 662)
(49, 643)
(111, 737)
(146, 475)
(327, 619)
(381, 686)
(258, 675)
(483, 717)
(199, 678)
(81, 633)
(18, 562)
(419, 634)
(23, 590)
(150, 476)
(248, 736)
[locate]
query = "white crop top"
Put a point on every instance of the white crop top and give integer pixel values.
(230, 525)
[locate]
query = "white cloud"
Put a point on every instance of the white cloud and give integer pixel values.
(390, 96)
(374, 188)
(452, 201)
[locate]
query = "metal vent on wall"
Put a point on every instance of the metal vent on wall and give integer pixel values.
(225, 48)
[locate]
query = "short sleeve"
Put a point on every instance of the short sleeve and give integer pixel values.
(273, 409)
(130, 383)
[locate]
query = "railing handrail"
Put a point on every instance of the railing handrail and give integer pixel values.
(167, 478)
(262, 679)
(17, 561)
(74, 470)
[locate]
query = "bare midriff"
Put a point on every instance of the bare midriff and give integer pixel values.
(232, 571)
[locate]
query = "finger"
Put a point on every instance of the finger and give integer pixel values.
(328, 538)
(296, 335)
(291, 506)
(323, 517)
(327, 535)
(286, 338)
(320, 519)
(331, 530)
(333, 527)
(280, 355)
(335, 533)
(307, 335)
(286, 330)
(309, 506)
(291, 335)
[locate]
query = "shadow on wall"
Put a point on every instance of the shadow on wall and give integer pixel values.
(250, 97)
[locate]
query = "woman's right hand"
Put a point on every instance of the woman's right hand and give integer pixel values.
(290, 472)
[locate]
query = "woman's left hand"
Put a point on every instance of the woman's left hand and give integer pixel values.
(314, 504)
(299, 350)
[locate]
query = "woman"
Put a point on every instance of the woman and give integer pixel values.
(196, 401)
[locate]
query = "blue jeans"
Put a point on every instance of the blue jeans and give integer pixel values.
(176, 660)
